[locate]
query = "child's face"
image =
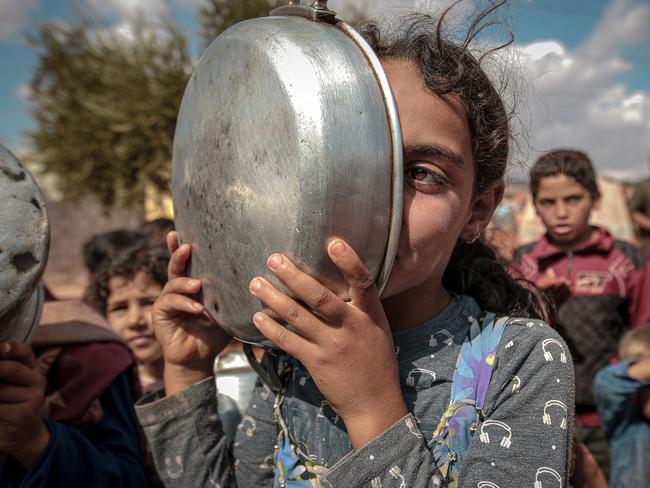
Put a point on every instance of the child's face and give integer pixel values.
(128, 310)
(438, 185)
(564, 206)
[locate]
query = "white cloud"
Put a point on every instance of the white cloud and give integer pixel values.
(120, 17)
(24, 91)
(14, 15)
(577, 98)
(625, 23)
(128, 10)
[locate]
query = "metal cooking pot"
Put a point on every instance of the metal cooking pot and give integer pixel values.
(287, 137)
(24, 245)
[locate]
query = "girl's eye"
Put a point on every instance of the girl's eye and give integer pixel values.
(419, 175)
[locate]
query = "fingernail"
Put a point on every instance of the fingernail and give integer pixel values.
(275, 261)
(197, 305)
(194, 283)
(337, 248)
(6, 347)
(255, 285)
(257, 318)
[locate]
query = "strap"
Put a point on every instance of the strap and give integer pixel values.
(267, 369)
(469, 388)
(476, 360)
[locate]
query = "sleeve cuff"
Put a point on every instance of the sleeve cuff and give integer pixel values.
(43, 460)
(155, 407)
(359, 467)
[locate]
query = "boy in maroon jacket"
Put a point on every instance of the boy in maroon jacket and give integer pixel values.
(601, 286)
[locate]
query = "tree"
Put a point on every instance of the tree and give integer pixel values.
(217, 15)
(105, 107)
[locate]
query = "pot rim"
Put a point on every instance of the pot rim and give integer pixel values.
(396, 144)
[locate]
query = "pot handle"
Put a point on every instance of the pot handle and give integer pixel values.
(317, 11)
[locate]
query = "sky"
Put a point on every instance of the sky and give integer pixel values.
(582, 69)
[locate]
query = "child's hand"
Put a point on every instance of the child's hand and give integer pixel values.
(189, 338)
(557, 287)
(23, 434)
(347, 347)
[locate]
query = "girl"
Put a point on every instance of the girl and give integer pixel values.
(387, 390)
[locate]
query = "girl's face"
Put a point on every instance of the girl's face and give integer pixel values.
(439, 202)
(128, 311)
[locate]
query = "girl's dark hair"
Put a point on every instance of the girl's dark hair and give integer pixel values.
(148, 257)
(449, 67)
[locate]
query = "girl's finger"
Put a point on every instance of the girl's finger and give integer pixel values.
(307, 289)
(172, 241)
(172, 304)
(178, 262)
(287, 308)
(18, 351)
(288, 341)
(185, 286)
(18, 373)
(363, 291)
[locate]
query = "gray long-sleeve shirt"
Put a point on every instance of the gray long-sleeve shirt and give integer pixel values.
(529, 402)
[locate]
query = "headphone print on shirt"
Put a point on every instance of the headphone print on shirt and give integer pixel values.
(546, 418)
(547, 354)
(506, 440)
(410, 379)
(447, 338)
(545, 470)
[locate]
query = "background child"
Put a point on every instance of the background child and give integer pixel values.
(622, 393)
(640, 209)
(123, 290)
(600, 285)
(368, 383)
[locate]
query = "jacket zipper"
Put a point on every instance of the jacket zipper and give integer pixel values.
(569, 256)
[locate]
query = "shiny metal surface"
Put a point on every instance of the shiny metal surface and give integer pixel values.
(235, 380)
(287, 137)
(24, 245)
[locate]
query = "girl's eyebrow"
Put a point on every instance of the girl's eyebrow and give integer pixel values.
(435, 150)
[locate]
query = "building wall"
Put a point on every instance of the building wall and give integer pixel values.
(71, 224)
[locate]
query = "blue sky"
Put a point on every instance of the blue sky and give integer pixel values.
(586, 62)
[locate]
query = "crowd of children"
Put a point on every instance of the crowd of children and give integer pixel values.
(451, 377)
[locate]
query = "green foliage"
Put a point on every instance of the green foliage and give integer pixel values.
(105, 107)
(216, 16)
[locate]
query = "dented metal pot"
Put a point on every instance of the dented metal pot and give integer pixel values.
(24, 245)
(287, 137)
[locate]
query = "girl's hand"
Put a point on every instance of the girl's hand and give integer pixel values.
(189, 338)
(23, 434)
(347, 347)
